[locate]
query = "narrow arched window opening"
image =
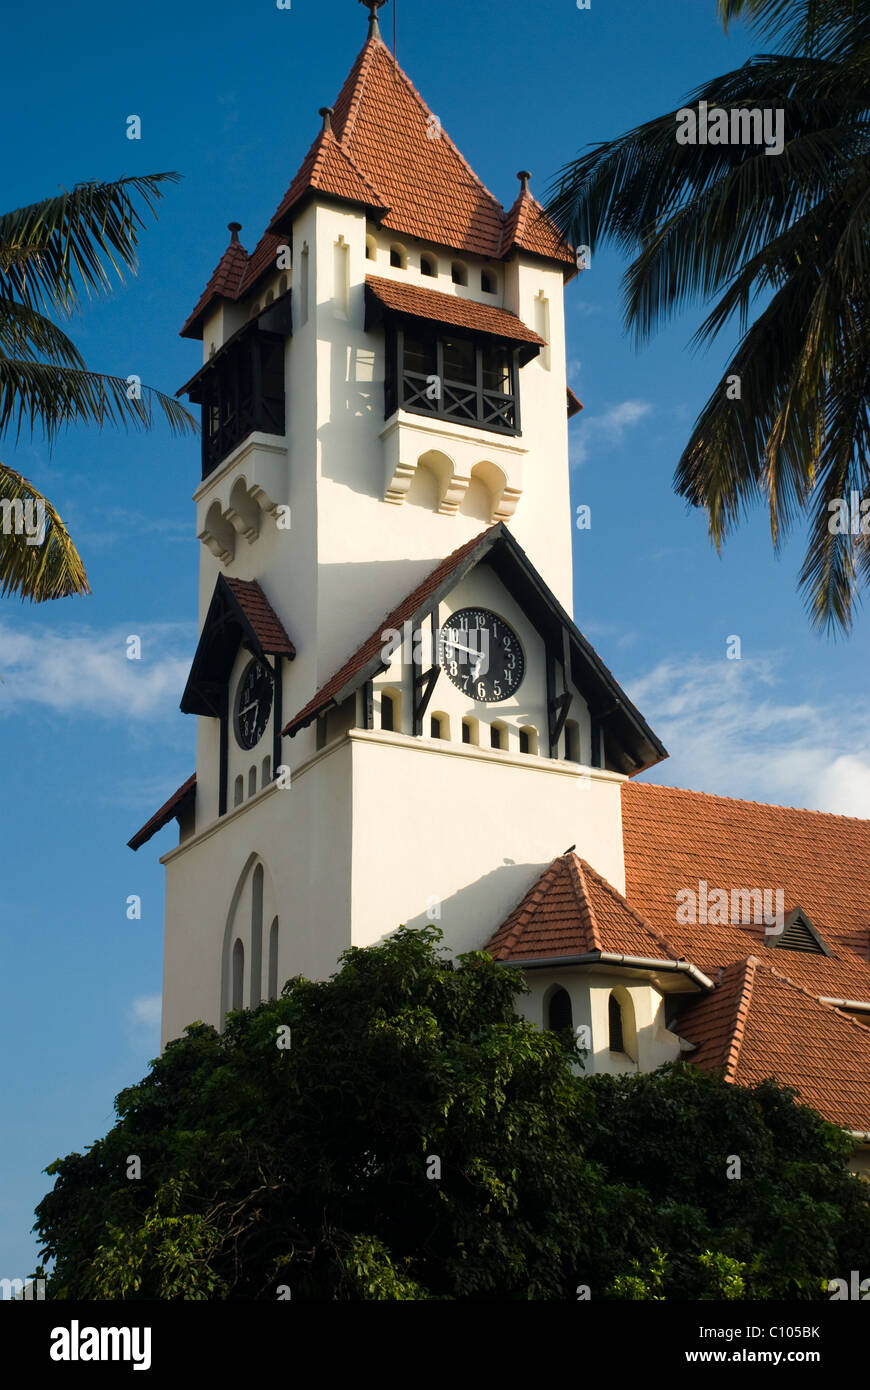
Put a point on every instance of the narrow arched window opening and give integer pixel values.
(252, 781)
(614, 1017)
(267, 771)
(238, 993)
(428, 265)
(273, 960)
(559, 1011)
(388, 713)
(459, 273)
(238, 790)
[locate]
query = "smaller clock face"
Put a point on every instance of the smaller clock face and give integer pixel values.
(253, 704)
(481, 655)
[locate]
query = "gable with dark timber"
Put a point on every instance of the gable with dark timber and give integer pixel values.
(239, 615)
(629, 743)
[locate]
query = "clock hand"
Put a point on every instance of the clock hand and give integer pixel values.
(254, 705)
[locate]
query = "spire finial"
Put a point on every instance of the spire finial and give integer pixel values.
(327, 113)
(235, 228)
(373, 6)
(524, 177)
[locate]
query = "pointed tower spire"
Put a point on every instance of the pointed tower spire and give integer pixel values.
(373, 6)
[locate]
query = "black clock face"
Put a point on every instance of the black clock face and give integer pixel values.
(481, 655)
(253, 704)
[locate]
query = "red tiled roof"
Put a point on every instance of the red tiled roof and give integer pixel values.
(448, 308)
(328, 168)
(674, 839)
(574, 405)
(178, 802)
(571, 910)
(261, 615)
(373, 644)
(264, 258)
(759, 1023)
(225, 282)
(528, 228)
(394, 139)
(387, 150)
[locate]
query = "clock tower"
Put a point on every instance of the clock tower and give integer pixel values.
(397, 720)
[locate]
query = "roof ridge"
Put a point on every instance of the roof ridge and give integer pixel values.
(363, 178)
(743, 801)
(361, 66)
(741, 1012)
(623, 902)
(802, 989)
(584, 901)
(425, 107)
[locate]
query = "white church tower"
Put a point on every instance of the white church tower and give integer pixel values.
(398, 721)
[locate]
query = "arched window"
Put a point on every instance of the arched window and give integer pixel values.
(428, 265)
(273, 960)
(398, 259)
(266, 772)
(268, 297)
(252, 781)
(282, 285)
(614, 1020)
(238, 790)
(488, 282)
(559, 1012)
(435, 727)
(528, 739)
(572, 741)
(256, 935)
(470, 730)
(238, 992)
(622, 1023)
(498, 735)
(371, 248)
(459, 273)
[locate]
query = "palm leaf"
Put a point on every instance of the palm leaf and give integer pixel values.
(49, 249)
(48, 396)
(52, 569)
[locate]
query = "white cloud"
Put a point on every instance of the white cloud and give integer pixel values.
(733, 728)
(77, 670)
(608, 429)
(143, 1023)
(146, 1010)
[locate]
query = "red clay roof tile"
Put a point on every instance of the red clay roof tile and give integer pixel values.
(528, 228)
(759, 1023)
(674, 839)
(449, 308)
(571, 910)
(261, 615)
(225, 281)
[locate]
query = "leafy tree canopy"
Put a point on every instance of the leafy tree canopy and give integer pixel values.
(417, 1140)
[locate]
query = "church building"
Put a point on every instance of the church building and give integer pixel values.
(398, 721)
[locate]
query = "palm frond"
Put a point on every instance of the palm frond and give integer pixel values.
(27, 334)
(35, 568)
(44, 395)
(52, 250)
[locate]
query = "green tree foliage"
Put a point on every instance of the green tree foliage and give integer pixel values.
(779, 243)
(310, 1169)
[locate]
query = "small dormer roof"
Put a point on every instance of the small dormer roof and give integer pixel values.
(528, 228)
(224, 283)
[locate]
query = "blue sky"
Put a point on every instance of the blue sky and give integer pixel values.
(92, 743)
